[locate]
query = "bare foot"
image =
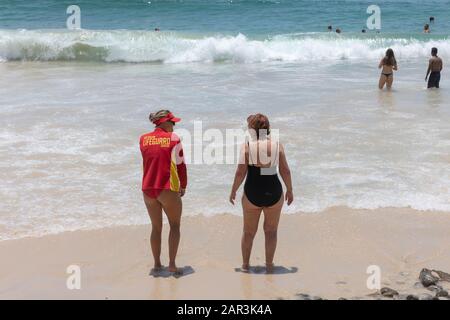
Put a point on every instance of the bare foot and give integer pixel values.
(269, 267)
(176, 271)
(158, 267)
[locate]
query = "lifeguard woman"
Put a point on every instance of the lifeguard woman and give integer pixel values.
(164, 183)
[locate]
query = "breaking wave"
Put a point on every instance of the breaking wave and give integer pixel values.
(169, 47)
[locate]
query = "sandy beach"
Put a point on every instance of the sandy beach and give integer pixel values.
(324, 254)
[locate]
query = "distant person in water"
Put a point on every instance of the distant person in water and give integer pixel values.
(338, 30)
(426, 28)
(435, 66)
(263, 193)
(330, 28)
(164, 183)
(431, 19)
(388, 64)
(363, 31)
(157, 29)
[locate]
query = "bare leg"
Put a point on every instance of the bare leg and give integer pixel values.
(252, 214)
(390, 81)
(155, 212)
(172, 205)
(382, 82)
(271, 221)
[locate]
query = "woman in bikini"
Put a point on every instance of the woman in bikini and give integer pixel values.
(388, 64)
(163, 184)
(263, 192)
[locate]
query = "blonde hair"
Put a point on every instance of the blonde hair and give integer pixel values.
(158, 115)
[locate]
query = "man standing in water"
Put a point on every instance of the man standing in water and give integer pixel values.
(434, 70)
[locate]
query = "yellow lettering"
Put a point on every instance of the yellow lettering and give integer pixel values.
(152, 140)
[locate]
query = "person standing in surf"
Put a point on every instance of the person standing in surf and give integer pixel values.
(263, 192)
(388, 64)
(435, 67)
(164, 183)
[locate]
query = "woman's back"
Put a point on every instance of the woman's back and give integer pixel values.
(262, 185)
(389, 64)
(262, 153)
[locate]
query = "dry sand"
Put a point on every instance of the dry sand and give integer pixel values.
(331, 252)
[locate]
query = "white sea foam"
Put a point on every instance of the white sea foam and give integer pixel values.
(159, 47)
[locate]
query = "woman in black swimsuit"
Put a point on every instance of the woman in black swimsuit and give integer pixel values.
(388, 64)
(263, 191)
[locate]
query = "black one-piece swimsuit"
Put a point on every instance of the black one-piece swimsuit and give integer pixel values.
(262, 189)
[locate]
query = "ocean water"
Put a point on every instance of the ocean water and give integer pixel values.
(251, 17)
(74, 103)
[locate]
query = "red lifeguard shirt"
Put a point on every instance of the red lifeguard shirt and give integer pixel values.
(164, 166)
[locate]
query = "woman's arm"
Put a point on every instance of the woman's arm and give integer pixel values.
(239, 177)
(381, 64)
(241, 173)
(285, 173)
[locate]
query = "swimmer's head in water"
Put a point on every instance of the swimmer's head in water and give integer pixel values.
(434, 52)
(330, 28)
(258, 124)
(426, 27)
(389, 59)
(164, 119)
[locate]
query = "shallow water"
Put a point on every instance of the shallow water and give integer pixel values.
(69, 137)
